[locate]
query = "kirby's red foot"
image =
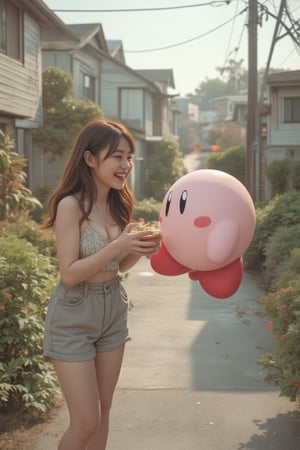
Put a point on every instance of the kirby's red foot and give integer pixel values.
(221, 283)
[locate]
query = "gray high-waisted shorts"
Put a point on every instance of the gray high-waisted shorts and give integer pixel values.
(86, 319)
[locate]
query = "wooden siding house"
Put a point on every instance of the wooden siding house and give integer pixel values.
(100, 74)
(283, 119)
(20, 70)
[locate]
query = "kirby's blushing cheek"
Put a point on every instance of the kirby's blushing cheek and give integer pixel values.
(202, 221)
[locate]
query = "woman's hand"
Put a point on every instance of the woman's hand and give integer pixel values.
(133, 242)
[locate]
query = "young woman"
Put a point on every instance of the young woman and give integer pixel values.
(86, 323)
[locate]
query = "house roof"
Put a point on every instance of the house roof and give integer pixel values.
(291, 77)
(162, 76)
(87, 31)
(84, 34)
(115, 48)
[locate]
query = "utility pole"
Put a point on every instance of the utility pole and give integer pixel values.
(252, 97)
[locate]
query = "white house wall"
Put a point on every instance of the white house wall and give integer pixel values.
(280, 133)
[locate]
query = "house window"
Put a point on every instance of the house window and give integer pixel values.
(88, 90)
(11, 30)
(292, 110)
(132, 106)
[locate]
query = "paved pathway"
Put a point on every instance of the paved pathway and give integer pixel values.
(190, 379)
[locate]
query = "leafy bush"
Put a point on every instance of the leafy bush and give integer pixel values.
(282, 210)
(290, 269)
(148, 209)
(15, 197)
(283, 366)
(231, 161)
(26, 277)
(277, 252)
(295, 175)
(278, 172)
(30, 231)
(164, 166)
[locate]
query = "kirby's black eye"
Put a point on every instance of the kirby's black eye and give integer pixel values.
(183, 200)
(168, 204)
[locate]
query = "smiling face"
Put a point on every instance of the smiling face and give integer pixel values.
(111, 169)
(207, 220)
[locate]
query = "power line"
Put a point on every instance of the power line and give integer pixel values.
(188, 40)
(162, 8)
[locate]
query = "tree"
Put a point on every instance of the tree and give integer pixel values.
(226, 134)
(207, 91)
(236, 77)
(64, 116)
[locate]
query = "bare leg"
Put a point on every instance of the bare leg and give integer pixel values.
(79, 385)
(108, 366)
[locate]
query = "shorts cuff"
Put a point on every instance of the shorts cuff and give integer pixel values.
(112, 345)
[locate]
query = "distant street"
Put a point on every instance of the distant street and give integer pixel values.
(192, 161)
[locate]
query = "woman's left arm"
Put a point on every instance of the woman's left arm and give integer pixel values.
(132, 258)
(129, 261)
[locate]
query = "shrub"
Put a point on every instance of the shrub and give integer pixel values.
(283, 366)
(282, 210)
(277, 252)
(29, 230)
(278, 172)
(148, 209)
(26, 277)
(15, 197)
(290, 269)
(295, 175)
(231, 161)
(164, 167)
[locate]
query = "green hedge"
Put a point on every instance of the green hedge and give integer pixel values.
(148, 209)
(231, 161)
(278, 252)
(282, 210)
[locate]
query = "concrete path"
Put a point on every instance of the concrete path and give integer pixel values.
(190, 379)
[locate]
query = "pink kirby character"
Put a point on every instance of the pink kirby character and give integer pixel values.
(207, 220)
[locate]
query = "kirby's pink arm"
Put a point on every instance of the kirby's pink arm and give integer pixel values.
(222, 241)
(164, 264)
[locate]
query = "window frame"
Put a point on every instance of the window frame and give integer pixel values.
(88, 92)
(11, 37)
(291, 109)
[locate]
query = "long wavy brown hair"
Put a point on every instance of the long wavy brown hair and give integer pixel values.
(77, 177)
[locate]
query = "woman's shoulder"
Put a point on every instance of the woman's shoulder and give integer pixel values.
(69, 205)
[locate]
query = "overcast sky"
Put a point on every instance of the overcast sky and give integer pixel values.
(216, 32)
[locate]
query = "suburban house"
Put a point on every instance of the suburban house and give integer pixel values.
(283, 120)
(139, 99)
(21, 70)
(189, 126)
(233, 108)
(228, 108)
